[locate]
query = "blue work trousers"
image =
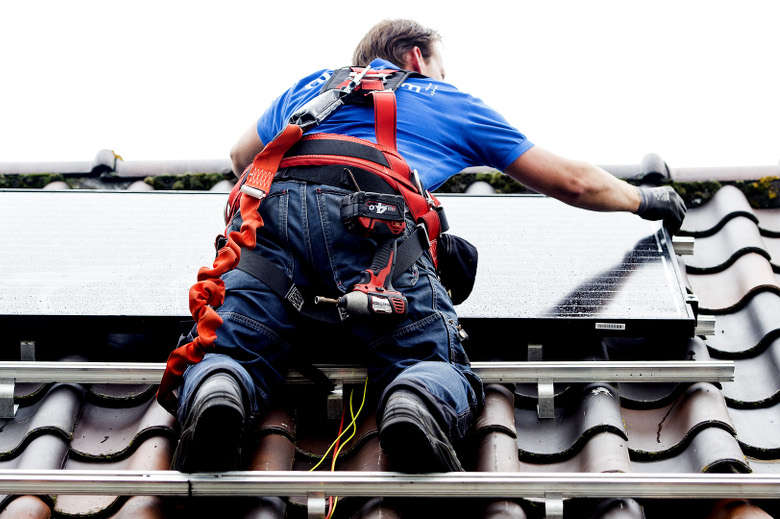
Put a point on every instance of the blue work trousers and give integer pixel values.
(303, 234)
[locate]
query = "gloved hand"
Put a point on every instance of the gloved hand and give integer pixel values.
(662, 203)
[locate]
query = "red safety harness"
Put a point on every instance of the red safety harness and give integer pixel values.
(290, 150)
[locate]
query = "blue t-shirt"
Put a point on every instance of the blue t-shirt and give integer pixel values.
(440, 130)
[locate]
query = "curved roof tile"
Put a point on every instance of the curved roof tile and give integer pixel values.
(730, 290)
(756, 380)
(602, 452)
(758, 431)
(548, 440)
(711, 449)
(739, 236)
(153, 454)
(55, 413)
(729, 202)
(769, 222)
(749, 330)
(112, 433)
(664, 432)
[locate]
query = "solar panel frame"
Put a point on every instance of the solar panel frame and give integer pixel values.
(130, 257)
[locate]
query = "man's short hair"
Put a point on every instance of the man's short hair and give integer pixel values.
(392, 39)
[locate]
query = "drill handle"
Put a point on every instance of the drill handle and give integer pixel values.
(381, 271)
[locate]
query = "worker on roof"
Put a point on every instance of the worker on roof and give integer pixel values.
(428, 395)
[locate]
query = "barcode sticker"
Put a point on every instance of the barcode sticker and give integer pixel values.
(610, 326)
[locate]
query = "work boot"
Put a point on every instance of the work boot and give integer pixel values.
(210, 438)
(412, 439)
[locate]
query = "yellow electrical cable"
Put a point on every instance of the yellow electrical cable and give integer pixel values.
(353, 426)
(324, 456)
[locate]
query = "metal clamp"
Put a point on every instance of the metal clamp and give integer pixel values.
(7, 407)
(553, 505)
(336, 401)
(316, 505)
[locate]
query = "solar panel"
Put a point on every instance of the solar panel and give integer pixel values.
(543, 264)
(558, 268)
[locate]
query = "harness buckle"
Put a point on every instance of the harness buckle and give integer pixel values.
(422, 235)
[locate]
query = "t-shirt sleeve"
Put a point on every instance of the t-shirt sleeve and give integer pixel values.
(275, 118)
(491, 138)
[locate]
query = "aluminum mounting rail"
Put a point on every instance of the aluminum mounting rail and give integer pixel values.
(490, 372)
(390, 484)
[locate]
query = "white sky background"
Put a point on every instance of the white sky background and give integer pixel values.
(697, 82)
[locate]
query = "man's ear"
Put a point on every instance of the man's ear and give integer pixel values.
(414, 60)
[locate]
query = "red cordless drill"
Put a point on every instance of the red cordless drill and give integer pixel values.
(375, 295)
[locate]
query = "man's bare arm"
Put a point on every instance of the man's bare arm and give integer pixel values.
(244, 150)
(574, 182)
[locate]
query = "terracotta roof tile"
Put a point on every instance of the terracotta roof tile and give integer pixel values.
(549, 440)
(602, 452)
(153, 454)
(763, 372)
(731, 289)
(663, 432)
(729, 202)
(55, 413)
(749, 330)
(758, 431)
(708, 449)
(737, 237)
(113, 432)
(27, 507)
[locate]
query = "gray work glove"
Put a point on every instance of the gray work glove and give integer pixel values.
(662, 203)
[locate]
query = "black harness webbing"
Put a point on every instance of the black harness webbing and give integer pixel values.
(352, 178)
(338, 148)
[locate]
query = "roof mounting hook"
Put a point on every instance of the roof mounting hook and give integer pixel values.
(553, 505)
(7, 407)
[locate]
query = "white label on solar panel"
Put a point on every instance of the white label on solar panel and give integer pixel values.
(610, 326)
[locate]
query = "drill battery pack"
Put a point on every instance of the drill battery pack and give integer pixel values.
(370, 214)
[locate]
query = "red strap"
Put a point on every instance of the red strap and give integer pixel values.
(385, 118)
(266, 163)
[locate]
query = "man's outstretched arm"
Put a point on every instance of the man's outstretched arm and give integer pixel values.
(587, 186)
(244, 150)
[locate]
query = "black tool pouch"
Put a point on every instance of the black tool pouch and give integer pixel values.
(457, 266)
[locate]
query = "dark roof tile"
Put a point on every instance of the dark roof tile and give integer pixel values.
(729, 202)
(275, 448)
(758, 431)
(153, 454)
(664, 432)
(55, 413)
(711, 449)
(120, 395)
(602, 452)
(110, 432)
(47, 451)
(769, 221)
(495, 429)
(618, 509)
(731, 289)
(749, 330)
(715, 253)
(26, 507)
(28, 393)
(737, 509)
(763, 374)
(142, 507)
(498, 413)
(504, 510)
(549, 440)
